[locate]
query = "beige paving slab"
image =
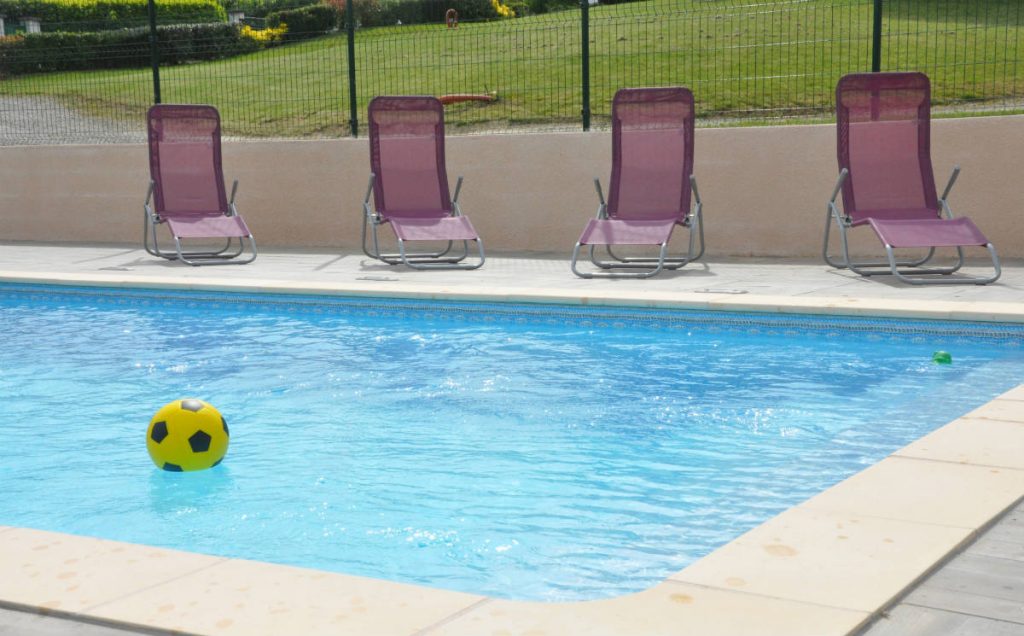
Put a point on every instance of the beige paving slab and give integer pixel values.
(990, 311)
(925, 492)
(67, 573)
(1005, 409)
(972, 441)
(249, 598)
(828, 558)
(669, 609)
(1016, 394)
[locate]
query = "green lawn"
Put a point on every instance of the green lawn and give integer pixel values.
(774, 59)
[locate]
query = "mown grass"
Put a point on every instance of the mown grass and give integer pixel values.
(759, 60)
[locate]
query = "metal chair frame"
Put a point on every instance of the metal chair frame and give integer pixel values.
(693, 222)
(420, 260)
(911, 272)
(195, 258)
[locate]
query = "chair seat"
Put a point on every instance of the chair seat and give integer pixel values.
(446, 228)
(896, 214)
(958, 232)
(627, 232)
(219, 226)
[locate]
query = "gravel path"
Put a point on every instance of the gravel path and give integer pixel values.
(45, 121)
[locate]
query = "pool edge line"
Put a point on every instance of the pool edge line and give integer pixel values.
(969, 311)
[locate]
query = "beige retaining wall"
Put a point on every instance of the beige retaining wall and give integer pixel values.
(764, 188)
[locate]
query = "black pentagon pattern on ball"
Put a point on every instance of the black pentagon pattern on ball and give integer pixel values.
(225, 423)
(200, 442)
(159, 432)
(191, 405)
(174, 468)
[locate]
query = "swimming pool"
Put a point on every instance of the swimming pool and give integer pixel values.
(545, 453)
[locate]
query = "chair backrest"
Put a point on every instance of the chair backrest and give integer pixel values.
(883, 126)
(652, 153)
(407, 156)
(185, 160)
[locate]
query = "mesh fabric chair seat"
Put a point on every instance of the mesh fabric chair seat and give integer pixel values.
(206, 226)
(186, 190)
(958, 232)
(448, 228)
(631, 232)
(651, 185)
(409, 185)
(886, 179)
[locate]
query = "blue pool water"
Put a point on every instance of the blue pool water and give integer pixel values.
(521, 452)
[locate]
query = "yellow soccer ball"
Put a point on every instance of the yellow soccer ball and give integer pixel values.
(186, 435)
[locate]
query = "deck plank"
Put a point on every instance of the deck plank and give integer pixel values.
(1010, 547)
(995, 577)
(979, 592)
(927, 597)
(909, 620)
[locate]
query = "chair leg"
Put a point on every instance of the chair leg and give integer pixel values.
(397, 258)
(695, 250)
(197, 259)
(921, 276)
(150, 243)
(654, 266)
(420, 261)
(862, 268)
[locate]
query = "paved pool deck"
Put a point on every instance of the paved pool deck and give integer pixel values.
(826, 566)
(740, 284)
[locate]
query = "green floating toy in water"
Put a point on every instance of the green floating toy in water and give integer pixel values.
(942, 357)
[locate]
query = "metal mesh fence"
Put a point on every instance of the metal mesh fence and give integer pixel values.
(970, 50)
(760, 61)
(743, 60)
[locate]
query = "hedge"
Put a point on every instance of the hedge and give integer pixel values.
(98, 15)
(263, 8)
(307, 22)
(124, 48)
(371, 13)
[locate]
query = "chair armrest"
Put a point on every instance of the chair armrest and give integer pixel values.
(843, 175)
(369, 189)
(600, 194)
(952, 180)
(234, 191)
(458, 189)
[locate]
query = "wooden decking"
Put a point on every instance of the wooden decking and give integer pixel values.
(980, 592)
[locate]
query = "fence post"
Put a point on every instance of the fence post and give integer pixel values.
(585, 60)
(876, 39)
(350, 30)
(154, 51)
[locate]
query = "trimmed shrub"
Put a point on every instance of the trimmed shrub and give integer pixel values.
(307, 22)
(544, 6)
(98, 15)
(371, 13)
(263, 8)
(124, 48)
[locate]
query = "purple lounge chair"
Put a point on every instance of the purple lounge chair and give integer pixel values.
(409, 184)
(186, 187)
(651, 184)
(887, 181)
